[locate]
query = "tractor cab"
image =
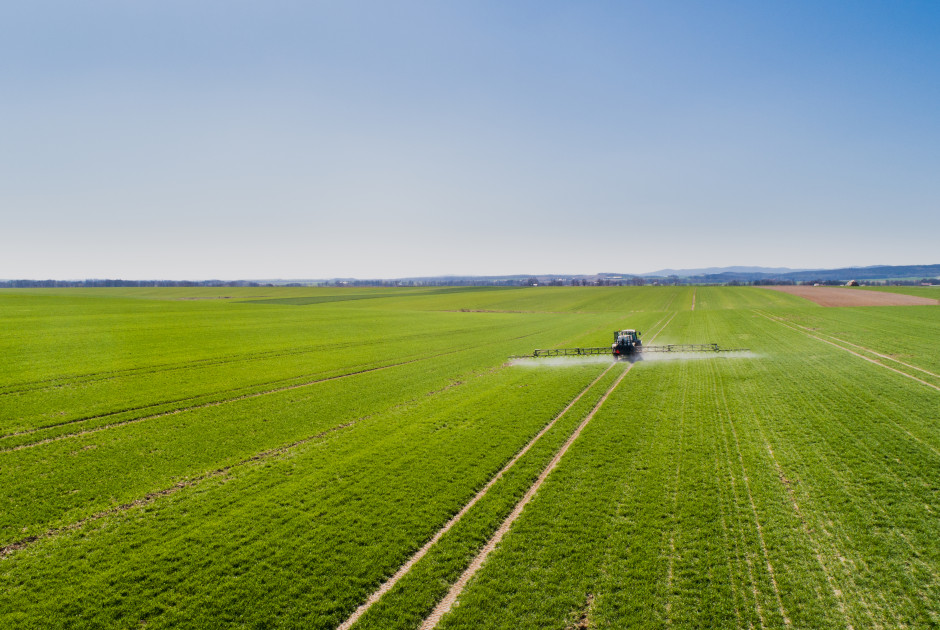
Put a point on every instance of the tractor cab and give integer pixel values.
(626, 342)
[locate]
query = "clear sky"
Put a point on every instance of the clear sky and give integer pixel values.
(190, 139)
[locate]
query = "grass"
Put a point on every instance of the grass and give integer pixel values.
(932, 292)
(269, 459)
(730, 494)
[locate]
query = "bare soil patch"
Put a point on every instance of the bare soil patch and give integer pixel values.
(841, 296)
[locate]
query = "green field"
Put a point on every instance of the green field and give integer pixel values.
(269, 457)
(932, 292)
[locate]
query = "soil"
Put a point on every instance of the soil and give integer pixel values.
(405, 568)
(841, 296)
(444, 606)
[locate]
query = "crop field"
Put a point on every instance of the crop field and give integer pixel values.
(932, 292)
(847, 296)
(370, 458)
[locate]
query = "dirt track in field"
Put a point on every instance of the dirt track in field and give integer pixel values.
(151, 497)
(405, 568)
(444, 606)
(841, 296)
(835, 341)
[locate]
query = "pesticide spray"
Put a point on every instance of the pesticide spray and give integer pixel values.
(628, 347)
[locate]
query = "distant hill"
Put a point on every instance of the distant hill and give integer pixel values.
(878, 272)
(706, 275)
(684, 273)
(709, 275)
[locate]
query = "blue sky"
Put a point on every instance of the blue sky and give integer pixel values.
(373, 139)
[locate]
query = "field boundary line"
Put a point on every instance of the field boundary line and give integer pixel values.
(693, 299)
(444, 606)
(151, 497)
(405, 568)
(844, 349)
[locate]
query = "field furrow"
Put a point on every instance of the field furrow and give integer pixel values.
(870, 359)
(445, 605)
(370, 459)
(66, 429)
(405, 568)
(798, 516)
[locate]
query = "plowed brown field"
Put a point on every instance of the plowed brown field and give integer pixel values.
(841, 296)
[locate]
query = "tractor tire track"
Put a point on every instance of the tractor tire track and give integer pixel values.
(869, 350)
(152, 497)
(736, 503)
(844, 349)
(672, 298)
(127, 410)
(721, 402)
(104, 375)
(217, 403)
(663, 327)
(753, 505)
(728, 504)
(447, 603)
(674, 520)
(91, 377)
(405, 568)
(658, 322)
(862, 495)
(898, 425)
(457, 588)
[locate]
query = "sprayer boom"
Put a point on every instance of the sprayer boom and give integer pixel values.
(627, 345)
